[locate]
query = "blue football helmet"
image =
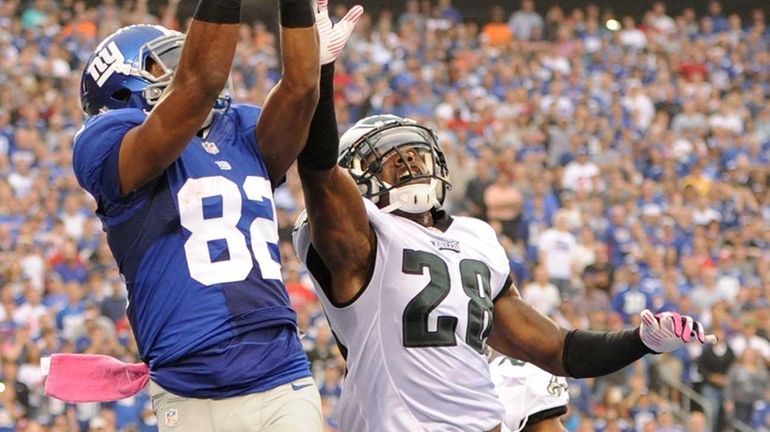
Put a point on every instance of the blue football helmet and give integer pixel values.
(118, 73)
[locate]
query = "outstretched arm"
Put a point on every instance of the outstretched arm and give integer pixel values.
(204, 66)
(283, 125)
(339, 226)
(522, 332)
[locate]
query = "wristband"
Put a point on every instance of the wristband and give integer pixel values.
(322, 147)
(219, 11)
(296, 13)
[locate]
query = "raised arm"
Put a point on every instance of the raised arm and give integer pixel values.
(339, 230)
(339, 226)
(522, 332)
(201, 74)
(283, 125)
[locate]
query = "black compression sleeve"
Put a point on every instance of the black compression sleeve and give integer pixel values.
(296, 13)
(590, 354)
(219, 11)
(320, 152)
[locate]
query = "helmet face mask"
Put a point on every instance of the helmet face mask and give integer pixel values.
(374, 142)
(163, 52)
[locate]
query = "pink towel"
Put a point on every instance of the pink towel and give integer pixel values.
(94, 378)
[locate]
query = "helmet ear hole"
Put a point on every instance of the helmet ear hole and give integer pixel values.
(122, 95)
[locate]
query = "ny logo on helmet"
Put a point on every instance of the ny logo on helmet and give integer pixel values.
(108, 61)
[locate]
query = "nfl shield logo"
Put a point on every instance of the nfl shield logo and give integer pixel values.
(210, 147)
(171, 417)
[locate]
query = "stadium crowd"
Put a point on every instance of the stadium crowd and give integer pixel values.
(624, 163)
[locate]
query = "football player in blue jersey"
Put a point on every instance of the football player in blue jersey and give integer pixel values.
(183, 180)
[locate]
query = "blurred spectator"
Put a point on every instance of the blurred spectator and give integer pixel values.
(714, 364)
(526, 24)
(504, 204)
(581, 174)
(747, 338)
(556, 247)
(542, 294)
(748, 381)
(629, 299)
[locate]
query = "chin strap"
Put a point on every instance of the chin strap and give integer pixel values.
(413, 198)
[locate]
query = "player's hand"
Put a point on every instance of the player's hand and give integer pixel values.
(668, 331)
(333, 37)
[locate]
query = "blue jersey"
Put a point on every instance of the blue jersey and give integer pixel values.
(197, 247)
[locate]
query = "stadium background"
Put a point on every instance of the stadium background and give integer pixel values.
(478, 10)
(651, 144)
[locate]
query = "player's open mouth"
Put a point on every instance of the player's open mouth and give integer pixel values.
(409, 173)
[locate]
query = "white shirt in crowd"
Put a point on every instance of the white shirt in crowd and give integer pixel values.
(20, 183)
(739, 343)
(558, 247)
(664, 24)
(705, 216)
(579, 176)
(73, 224)
(731, 122)
(544, 298)
(29, 315)
(33, 266)
(642, 109)
(633, 38)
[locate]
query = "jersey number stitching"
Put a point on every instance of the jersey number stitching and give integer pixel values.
(204, 230)
(475, 277)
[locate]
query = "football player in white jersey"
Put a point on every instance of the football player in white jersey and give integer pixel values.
(414, 295)
(534, 399)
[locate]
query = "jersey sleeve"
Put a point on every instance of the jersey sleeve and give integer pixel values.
(529, 394)
(497, 259)
(247, 117)
(96, 150)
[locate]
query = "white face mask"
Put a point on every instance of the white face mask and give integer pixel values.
(414, 198)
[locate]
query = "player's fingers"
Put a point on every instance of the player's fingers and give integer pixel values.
(354, 14)
(647, 317)
(322, 5)
(710, 339)
(674, 323)
(698, 332)
(687, 327)
(666, 322)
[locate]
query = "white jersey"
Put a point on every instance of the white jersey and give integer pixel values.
(415, 336)
(528, 393)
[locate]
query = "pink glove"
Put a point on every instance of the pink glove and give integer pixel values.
(333, 37)
(668, 331)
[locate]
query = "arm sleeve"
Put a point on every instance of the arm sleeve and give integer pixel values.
(96, 150)
(590, 354)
